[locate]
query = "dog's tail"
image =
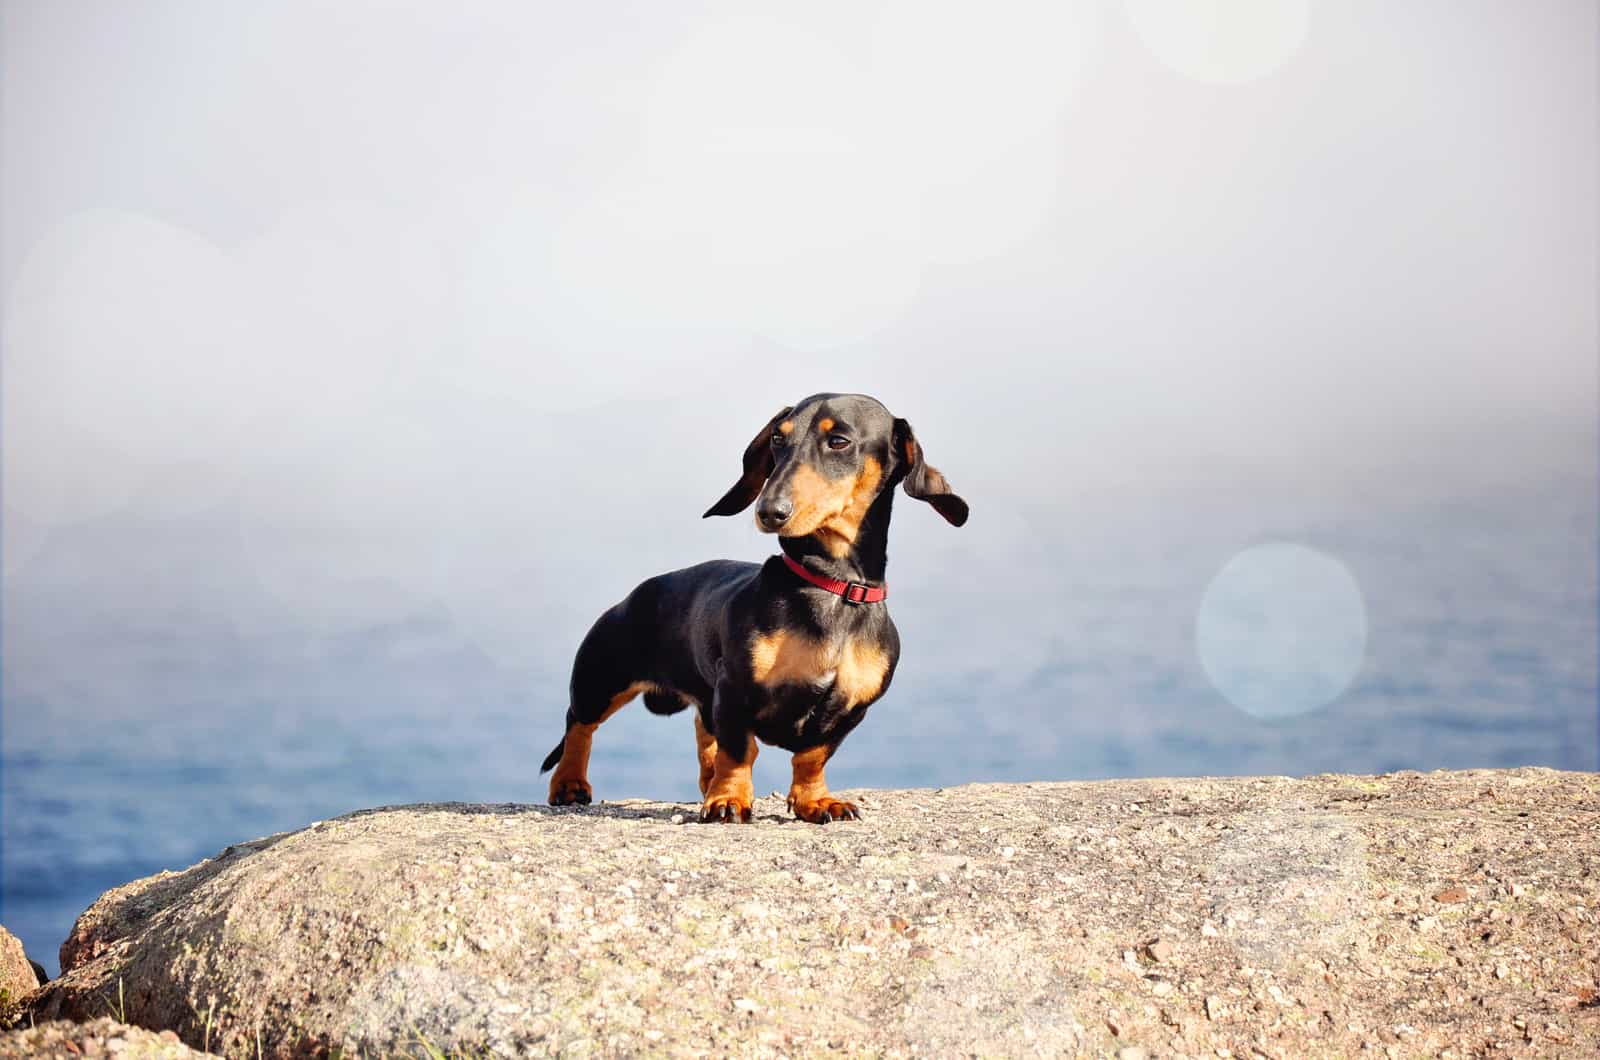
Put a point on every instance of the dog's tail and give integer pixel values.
(553, 757)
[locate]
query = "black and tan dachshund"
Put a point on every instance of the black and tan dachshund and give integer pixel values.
(790, 652)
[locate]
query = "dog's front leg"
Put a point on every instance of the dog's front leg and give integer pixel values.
(729, 795)
(808, 795)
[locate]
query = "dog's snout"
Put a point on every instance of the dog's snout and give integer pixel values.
(774, 513)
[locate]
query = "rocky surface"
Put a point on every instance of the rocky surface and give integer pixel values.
(1444, 914)
(17, 978)
(104, 1037)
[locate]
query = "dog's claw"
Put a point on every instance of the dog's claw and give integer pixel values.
(570, 792)
(726, 811)
(825, 811)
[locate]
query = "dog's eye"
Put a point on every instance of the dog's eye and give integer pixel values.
(838, 441)
(778, 440)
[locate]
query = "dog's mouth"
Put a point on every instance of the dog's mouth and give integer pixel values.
(799, 524)
(795, 527)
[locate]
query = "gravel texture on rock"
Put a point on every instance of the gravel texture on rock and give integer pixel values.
(104, 1037)
(1442, 914)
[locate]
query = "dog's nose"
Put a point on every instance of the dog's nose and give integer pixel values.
(773, 514)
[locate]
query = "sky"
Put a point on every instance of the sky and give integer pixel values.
(318, 315)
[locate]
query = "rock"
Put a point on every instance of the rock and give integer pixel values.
(17, 978)
(608, 929)
(1158, 950)
(39, 973)
(63, 1040)
(1451, 895)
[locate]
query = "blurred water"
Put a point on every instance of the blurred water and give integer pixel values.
(1073, 656)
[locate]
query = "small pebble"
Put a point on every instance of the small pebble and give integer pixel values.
(1158, 950)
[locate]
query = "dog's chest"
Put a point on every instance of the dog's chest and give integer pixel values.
(848, 669)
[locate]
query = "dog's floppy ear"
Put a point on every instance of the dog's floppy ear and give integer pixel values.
(923, 481)
(757, 466)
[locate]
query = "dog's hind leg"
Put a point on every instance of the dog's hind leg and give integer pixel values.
(610, 668)
(570, 782)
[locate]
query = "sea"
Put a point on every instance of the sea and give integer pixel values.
(1294, 640)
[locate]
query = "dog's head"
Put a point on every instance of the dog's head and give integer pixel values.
(817, 467)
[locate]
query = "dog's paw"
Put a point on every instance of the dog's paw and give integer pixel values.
(570, 791)
(726, 809)
(823, 810)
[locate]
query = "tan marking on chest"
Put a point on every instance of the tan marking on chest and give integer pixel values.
(858, 667)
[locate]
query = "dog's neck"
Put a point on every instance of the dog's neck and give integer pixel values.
(868, 555)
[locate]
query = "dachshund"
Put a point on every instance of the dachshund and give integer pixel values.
(790, 652)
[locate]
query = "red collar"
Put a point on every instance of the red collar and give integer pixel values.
(853, 592)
